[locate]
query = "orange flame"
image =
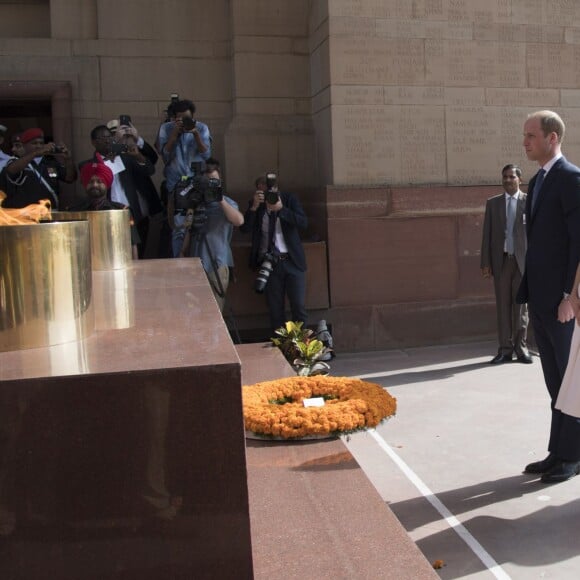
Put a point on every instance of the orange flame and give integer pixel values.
(32, 213)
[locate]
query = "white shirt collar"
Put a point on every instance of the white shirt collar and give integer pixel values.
(551, 163)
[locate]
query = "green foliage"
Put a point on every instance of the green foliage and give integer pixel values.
(300, 350)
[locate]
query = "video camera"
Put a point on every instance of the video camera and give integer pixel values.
(271, 196)
(194, 192)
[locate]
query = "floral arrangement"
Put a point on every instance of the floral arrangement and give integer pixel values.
(276, 408)
(301, 349)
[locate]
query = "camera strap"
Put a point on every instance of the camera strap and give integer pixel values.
(44, 182)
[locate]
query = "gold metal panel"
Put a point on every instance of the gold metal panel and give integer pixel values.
(45, 284)
(114, 296)
(110, 236)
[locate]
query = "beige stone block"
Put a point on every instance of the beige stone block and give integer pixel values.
(408, 95)
(73, 19)
(145, 48)
(297, 161)
(377, 61)
(393, 9)
(323, 130)
(571, 36)
(170, 20)
(570, 97)
(320, 68)
(303, 106)
(348, 26)
(542, 12)
(464, 97)
(500, 32)
(301, 46)
(358, 95)
(263, 44)
(249, 155)
(321, 100)
(34, 47)
(540, 98)
(274, 17)
(388, 144)
(87, 109)
(478, 63)
(424, 29)
(318, 13)
(155, 79)
(287, 75)
(553, 65)
(481, 140)
(23, 20)
(264, 106)
(318, 36)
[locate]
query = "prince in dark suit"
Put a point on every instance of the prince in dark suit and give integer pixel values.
(553, 228)
(503, 254)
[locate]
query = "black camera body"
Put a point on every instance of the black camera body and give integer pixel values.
(118, 148)
(271, 195)
(192, 192)
(188, 123)
(267, 266)
(58, 149)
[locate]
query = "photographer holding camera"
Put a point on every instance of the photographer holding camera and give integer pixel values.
(274, 218)
(37, 173)
(210, 217)
(125, 133)
(183, 143)
(130, 168)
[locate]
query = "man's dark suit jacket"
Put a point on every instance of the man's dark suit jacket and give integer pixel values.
(292, 219)
(553, 238)
(494, 230)
(133, 180)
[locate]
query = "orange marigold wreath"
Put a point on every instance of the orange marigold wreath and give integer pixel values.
(275, 408)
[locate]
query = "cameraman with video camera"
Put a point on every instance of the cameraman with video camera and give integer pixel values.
(183, 142)
(274, 218)
(210, 217)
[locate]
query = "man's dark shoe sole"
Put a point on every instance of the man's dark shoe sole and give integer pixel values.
(563, 471)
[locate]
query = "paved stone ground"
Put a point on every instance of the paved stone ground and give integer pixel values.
(462, 435)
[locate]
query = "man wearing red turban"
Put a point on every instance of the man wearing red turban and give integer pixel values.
(37, 173)
(97, 179)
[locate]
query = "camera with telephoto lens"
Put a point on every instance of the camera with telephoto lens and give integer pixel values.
(269, 261)
(271, 196)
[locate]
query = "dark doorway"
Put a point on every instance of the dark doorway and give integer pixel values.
(19, 115)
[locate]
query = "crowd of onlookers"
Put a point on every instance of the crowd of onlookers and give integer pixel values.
(197, 218)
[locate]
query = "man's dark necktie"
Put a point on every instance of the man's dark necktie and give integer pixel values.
(537, 189)
(510, 221)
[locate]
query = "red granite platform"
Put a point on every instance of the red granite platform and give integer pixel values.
(313, 512)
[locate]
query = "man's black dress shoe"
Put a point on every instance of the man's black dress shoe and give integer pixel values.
(542, 466)
(500, 359)
(562, 471)
(525, 358)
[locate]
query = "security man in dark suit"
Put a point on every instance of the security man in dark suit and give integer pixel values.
(503, 254)
(553, 229)
(274, 218)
